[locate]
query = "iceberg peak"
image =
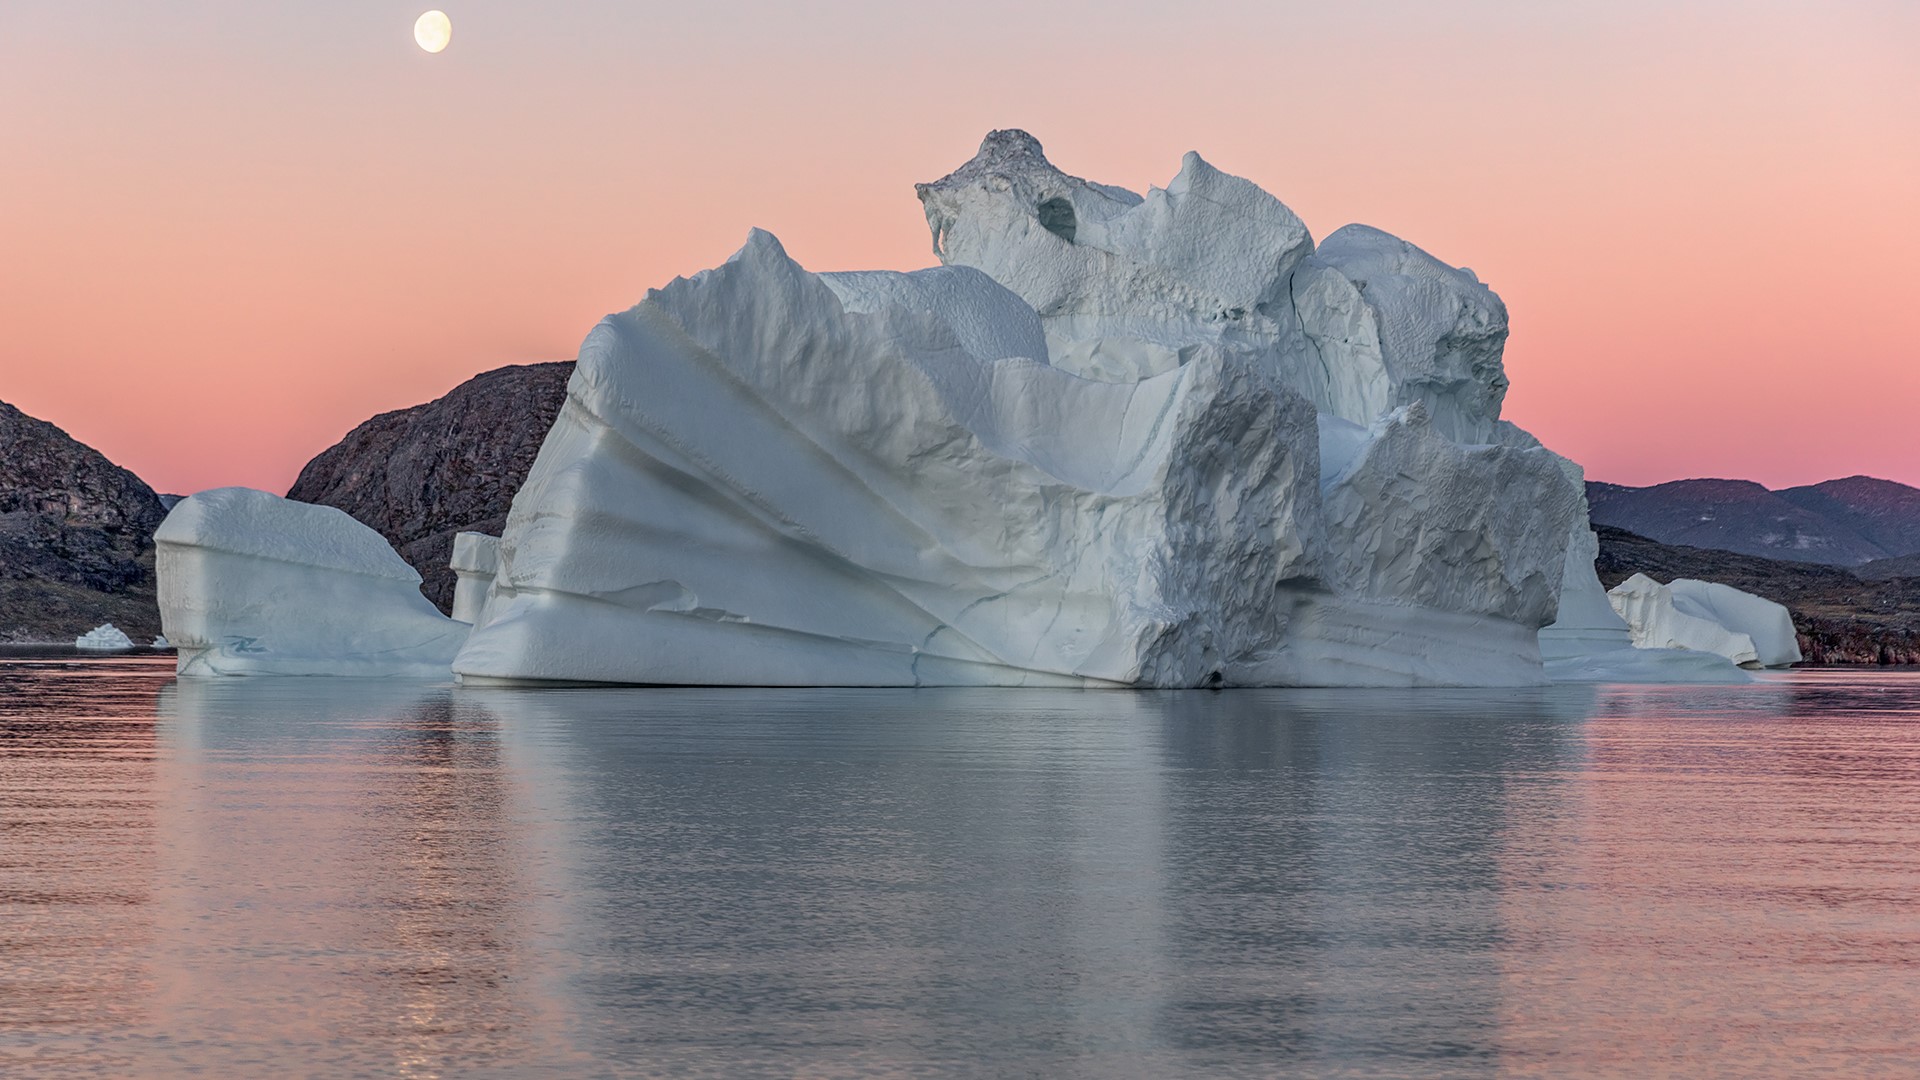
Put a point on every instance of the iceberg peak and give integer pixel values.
(1005, 149)
(1084, 451)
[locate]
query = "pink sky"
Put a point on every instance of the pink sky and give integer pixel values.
(229, 231)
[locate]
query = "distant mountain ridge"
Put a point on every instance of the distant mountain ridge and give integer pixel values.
(1848, 522)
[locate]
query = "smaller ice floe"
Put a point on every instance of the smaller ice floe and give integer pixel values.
(1770, 625)
(103, 638)
(254, 584)
(161, 642)
(1706, 617)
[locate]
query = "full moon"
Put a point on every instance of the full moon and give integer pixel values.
(433, 30)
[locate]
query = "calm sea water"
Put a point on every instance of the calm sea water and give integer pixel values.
(329, 877)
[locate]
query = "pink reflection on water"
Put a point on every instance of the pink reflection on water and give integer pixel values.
(1737, 885)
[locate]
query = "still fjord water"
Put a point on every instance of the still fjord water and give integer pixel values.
(336, 877)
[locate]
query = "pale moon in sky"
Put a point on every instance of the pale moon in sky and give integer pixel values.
(433, 31)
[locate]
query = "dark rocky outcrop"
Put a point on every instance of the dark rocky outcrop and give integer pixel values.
(1845, 522)
(76, 537)
(1842, 617)
(419, 475)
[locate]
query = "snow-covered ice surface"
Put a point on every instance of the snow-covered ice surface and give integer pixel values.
(103, 638)
(254, 584)
(1769, 625)
(1707, 617)
(1116, 440)
(1656, 621)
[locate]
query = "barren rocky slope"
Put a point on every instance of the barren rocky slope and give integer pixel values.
(76, 537)
(1887, 514)
(1898, 566)
(419, 475)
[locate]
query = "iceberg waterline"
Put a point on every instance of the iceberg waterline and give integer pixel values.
(1114, 440)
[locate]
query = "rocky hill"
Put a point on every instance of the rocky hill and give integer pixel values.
(76, 537)
(1896, 567)
(419, 475)
(1845, 522)
(1842, 617)
(1886, 514)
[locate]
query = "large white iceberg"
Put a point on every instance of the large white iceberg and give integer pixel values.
(1115, 441)
(254, 584)
(1707, 617)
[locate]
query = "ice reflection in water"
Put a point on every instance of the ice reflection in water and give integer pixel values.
(420, 880)
(78, 867)
(347, 852)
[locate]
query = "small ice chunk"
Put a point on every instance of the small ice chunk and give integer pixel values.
(103, 638)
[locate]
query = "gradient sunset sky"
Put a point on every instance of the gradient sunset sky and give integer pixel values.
(231, 231)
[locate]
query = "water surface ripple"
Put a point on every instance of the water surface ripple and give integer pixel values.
(342, 878)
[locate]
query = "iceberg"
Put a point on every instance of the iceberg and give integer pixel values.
(755, 482)
(1657, 623)
(1113, 441)
(1707, 617)
(254, 584)
(104, 638)
(1767, 624)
